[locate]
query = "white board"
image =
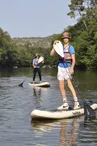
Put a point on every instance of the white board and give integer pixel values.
(58, 46)
(44, 114)
(42, 84)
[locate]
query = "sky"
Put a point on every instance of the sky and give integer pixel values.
(34, 18)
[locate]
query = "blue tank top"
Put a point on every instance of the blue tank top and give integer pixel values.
(35, 61)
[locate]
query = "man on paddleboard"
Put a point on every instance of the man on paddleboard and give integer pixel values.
(65, 69)
(36, 67)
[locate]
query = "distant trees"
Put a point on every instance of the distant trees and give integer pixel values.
(7, 50)
(12, 54)
(21, 55)
(85, 31)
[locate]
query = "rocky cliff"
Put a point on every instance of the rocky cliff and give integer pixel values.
(35, 41)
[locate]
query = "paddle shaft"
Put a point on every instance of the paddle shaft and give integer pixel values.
(21, 84)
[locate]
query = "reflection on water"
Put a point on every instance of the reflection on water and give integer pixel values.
(68, 129)
(91, 135)
(37, 97)
(37, 93)
(68, 132)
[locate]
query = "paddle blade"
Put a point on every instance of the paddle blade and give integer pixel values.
(21, 85)
(40, 59)
(89, 112)
(58, 46)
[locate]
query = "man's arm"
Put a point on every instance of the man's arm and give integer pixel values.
(73, 63)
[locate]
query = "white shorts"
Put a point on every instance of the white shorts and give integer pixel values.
(63, 73)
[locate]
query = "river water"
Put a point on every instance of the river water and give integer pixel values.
(16, 104)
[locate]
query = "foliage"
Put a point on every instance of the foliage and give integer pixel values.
(85, 33)
(20, 51)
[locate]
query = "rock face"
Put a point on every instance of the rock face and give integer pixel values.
(35, 41)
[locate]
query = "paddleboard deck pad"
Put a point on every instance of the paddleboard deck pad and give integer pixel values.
(39, 84)
(59, 114)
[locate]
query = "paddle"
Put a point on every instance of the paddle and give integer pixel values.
(21, 84)
(88, 111)
(41, 59)
(57, 45)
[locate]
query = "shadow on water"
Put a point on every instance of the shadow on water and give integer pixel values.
(92, 122)
(88, 133)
